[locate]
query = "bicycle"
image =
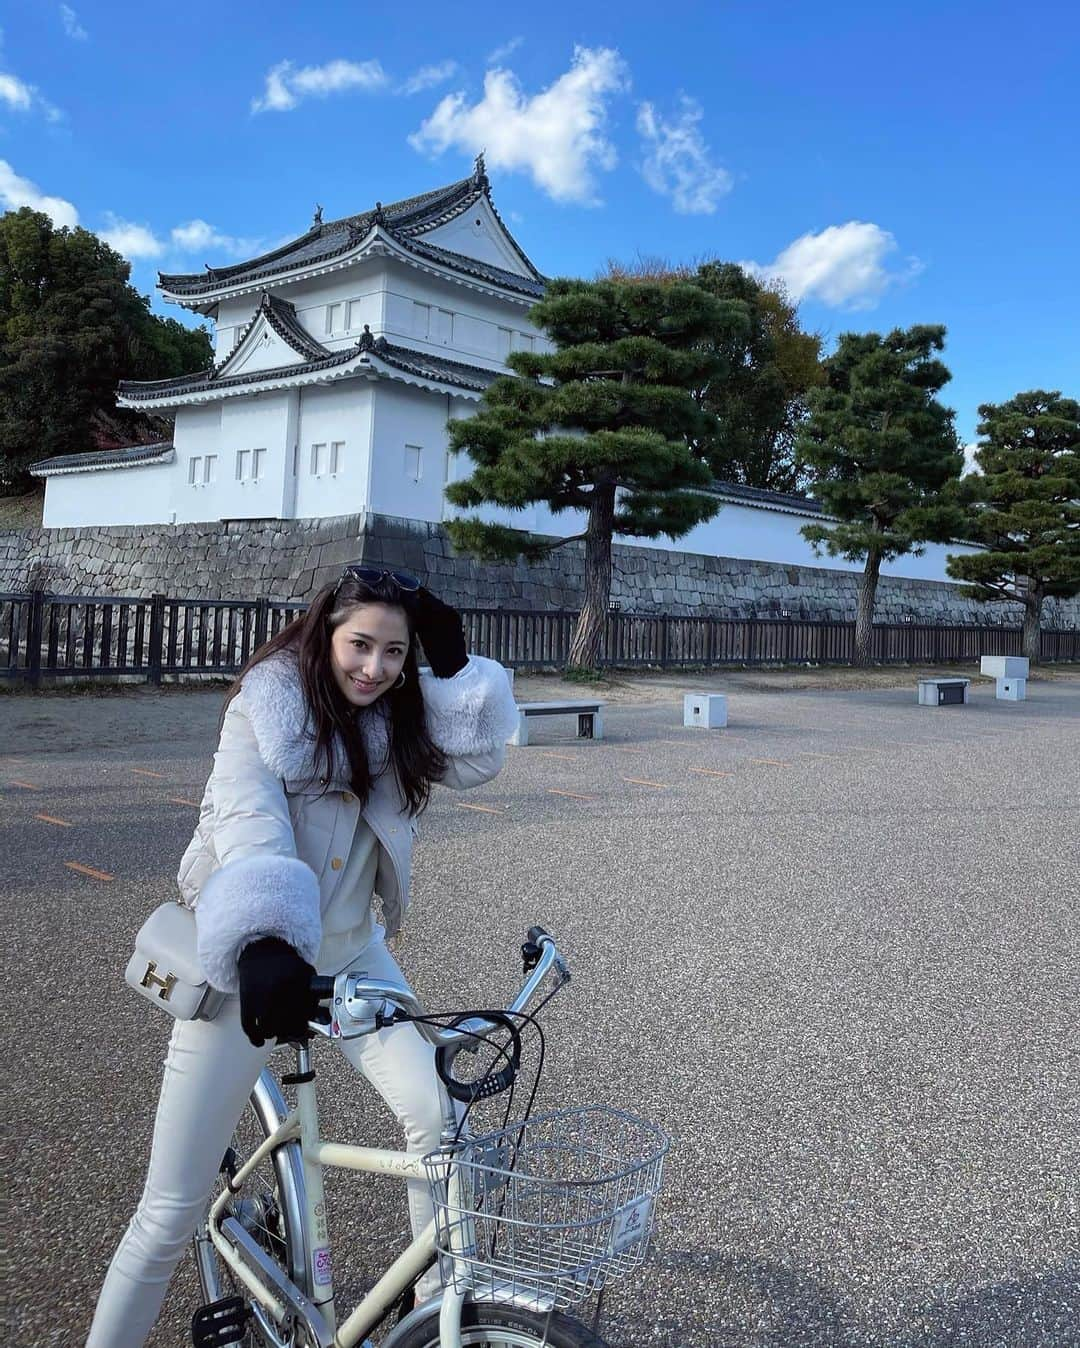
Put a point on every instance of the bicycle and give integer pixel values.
(528, 1219)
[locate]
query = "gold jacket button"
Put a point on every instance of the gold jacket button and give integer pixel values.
(337, 864)
(347, 797)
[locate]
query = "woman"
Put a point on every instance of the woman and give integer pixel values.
(330, 740)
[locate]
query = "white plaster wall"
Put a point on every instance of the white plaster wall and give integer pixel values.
(407, 416)
(741, 531)
(196, 431)
(232, 317)
(109, 496)
(358, 289)
(344, 414)
(260, 421)
(401, 303)
(432, 315)
(477, 233)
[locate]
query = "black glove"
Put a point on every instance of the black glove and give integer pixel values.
(439, 628)
(276, 1000)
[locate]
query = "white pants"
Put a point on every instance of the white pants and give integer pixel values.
(210, 1070)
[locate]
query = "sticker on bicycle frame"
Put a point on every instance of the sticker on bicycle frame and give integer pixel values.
(320, 1263)
(630, 1223)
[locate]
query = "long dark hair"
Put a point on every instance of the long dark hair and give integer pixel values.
(416, 760)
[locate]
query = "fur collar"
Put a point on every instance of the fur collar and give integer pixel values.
(285, 732)
(472, 713)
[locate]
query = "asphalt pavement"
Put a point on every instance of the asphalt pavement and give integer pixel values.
(832, 950)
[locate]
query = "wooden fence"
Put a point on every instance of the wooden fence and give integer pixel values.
(96, 636)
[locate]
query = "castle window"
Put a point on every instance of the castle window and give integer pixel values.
(413, 461)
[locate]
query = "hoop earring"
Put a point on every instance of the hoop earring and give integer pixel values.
(401, 680)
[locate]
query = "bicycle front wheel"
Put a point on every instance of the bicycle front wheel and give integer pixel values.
(487, 1325)
(269, 1206)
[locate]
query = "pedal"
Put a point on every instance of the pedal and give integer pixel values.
(220, 1323)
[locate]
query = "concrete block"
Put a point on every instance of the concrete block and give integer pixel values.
(1004, 667)
(705, 709)
(1012, 690)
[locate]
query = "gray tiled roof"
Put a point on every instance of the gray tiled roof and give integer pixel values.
(509, 280)
(205, 379)
(102, 458)
(438, 368)
(403, 219)
(281, 315)
(776, 500)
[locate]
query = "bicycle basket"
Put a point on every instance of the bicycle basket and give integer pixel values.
(548, 1210)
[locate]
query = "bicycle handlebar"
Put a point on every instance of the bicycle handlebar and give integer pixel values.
(358, 1003)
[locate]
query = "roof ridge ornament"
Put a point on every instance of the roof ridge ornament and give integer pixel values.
(366, 342)
(317, 220)
(378, 215)
(480, 177)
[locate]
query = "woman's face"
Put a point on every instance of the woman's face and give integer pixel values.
(368, 650)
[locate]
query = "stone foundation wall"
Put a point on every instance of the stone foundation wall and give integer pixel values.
(291, 559)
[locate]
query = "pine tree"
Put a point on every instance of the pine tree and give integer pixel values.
(1024, 506)
(881, 447)
(604, 424)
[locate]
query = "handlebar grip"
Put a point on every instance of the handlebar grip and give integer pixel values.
(535, 933)
(322, 986)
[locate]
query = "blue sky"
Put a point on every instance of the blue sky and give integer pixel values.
(892, 164)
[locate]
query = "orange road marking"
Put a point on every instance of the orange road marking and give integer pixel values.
(88, 870)
(27, 786)
(774, 762)
(554, 791)
(711, 772)
(642, 781)
(145, 772)
(179, 800)
(566, 758)
(50, 820)
(487, 809)
(812, 753)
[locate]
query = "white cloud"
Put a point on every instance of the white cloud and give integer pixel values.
(427, 77)
(15, 93)
(72, 26)
(677, 163)
(16, 192)
(286, 86)
(501, 53)
(23, 97)
(197, 235)
(970, 463)
(557, 135)
(843, 266)
(129, 239)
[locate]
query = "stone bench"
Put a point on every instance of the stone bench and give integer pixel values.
(943, 692)
(1010, 673)
(587, 710)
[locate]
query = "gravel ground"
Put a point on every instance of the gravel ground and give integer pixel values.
(832, 950)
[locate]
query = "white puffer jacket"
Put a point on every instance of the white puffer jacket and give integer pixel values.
(268, 849)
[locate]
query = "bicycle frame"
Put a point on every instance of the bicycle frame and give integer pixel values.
(278, 1296)
(269, 1285)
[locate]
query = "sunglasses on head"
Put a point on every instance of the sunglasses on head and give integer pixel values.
(372, 575)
